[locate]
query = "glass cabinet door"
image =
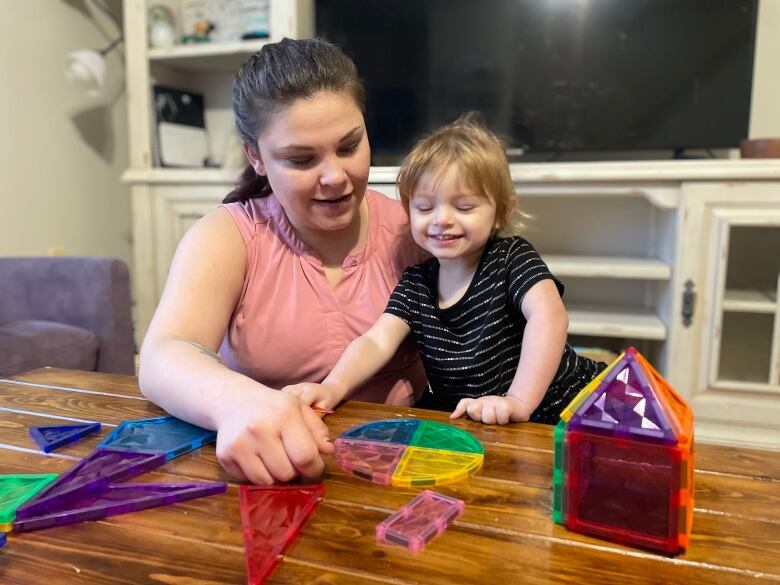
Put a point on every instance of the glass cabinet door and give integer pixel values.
(745, 342)
(725, 343)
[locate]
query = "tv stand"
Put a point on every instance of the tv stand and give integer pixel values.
(677, 258)
(680, 154)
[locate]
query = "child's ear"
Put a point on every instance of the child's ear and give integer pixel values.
(254, 160)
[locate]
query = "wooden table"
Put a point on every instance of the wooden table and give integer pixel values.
(505, 535)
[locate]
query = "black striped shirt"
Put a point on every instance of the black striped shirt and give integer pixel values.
(472, 348)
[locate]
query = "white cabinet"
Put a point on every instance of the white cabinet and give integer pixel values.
(166, 201)
(729, 363)
(681, 260)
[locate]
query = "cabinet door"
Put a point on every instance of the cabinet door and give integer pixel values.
(727, 362)
(177, 208)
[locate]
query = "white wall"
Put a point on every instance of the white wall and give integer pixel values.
(765, 105)
(61, 153)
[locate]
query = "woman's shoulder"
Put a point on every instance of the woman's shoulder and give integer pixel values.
(389, 214)
(250, 214)
(257, 210)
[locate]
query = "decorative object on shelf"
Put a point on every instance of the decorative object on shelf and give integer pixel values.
(624, 459)
(254, 21)
(224, 21)
(162, 33)
(201, 32)
(760, 148)
(87, 67)
(181, 133)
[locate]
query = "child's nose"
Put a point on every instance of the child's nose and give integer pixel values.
(443, 215)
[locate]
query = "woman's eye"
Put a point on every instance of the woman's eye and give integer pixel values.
(350, 148)
(300, 161)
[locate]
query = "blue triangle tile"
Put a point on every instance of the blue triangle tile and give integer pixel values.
(50, 438)
(166, 434)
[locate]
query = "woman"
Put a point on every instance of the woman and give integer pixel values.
(298, 262)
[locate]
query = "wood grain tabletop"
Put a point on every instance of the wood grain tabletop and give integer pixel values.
(505, 535)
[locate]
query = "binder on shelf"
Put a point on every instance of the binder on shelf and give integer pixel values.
(181, 139)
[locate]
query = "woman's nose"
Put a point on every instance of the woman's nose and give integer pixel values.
(333, 174)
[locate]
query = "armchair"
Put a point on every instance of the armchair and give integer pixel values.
(67, 313)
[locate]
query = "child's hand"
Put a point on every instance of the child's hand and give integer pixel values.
(493, 409)
(320, 395)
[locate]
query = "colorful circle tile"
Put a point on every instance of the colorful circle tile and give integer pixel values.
(409, 452)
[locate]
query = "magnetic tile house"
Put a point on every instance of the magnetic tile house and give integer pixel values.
(624, 459)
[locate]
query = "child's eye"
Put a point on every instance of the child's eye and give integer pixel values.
(423, 208)
(465, 207)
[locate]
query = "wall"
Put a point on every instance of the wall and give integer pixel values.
(764, 110)
(61, 152)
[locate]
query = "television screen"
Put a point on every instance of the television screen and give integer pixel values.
(552, 76)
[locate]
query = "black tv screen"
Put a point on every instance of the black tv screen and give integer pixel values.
(552, 76)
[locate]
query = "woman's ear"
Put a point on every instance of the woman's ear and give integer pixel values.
(254, 160)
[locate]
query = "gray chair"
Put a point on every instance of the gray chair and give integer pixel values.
(66, 313)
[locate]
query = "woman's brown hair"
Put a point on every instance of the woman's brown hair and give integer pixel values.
(273, 78)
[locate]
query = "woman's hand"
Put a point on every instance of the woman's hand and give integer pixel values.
(325, 396)
(271, 437)
(493, 409)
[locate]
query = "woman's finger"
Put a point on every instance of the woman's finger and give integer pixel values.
(318, 430)
(253, 468)
(271, 453)
(301, 442)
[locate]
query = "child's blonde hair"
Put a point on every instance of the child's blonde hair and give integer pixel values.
(481, 161)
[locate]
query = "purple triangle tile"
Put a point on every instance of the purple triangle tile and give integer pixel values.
(93, 473)
(118, 499)
(49, 438)
(625, 404)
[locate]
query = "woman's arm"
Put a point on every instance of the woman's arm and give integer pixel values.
(263, 435)
(362, 359)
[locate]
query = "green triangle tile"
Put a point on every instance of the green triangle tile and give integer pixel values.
(15, 490)
(558, 471)
(433, 435)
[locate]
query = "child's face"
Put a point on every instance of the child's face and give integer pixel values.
(449, 219)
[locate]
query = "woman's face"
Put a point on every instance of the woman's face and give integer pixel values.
(316, 155)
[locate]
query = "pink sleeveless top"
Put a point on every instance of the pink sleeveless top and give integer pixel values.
(291, 326)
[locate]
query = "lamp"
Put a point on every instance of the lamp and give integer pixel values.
(87, 67)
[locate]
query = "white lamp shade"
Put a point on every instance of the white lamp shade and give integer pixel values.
(87, 68)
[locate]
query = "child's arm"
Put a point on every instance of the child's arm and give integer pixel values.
(363, 358)
(544, 339)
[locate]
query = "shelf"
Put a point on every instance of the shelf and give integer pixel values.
(174, 176)
(750, 301)
(204, 57)
(609, 321)
(608, 267)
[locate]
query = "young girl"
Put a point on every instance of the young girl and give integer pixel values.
(485, 311)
